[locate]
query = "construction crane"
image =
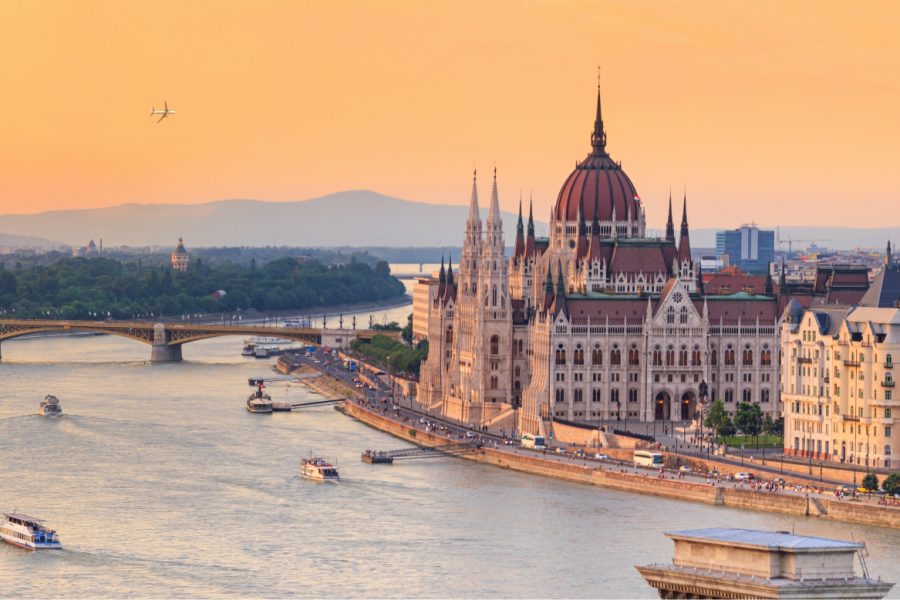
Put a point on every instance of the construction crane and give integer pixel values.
(790, 242)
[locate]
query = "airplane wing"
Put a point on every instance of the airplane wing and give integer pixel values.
(164, 115)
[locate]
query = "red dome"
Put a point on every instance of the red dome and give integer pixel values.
(597, 181)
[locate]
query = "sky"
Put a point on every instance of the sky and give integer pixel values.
(781, 113)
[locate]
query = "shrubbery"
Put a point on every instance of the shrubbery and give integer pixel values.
(391, 354)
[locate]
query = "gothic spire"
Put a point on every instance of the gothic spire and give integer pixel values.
(450, 272)
(782, 280)
(530, 215)
(598, 137)
(560, 280)
(443, 276)
(474, 214)
(670, 225)
(520, 233)
(684, 243)
(888, 259)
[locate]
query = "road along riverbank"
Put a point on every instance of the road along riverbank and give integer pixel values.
(378, 416)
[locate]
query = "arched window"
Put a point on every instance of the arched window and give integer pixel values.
(493, 382)
(578, 357)
(518, 371)
(683, 357)
(695, 356)
(449, 337)
(596, 356)
(494, 296)
(887, 449)
(683, 318)
(615, 356)
(713, 356)
(670, 356)
(729, 355)
(765, 356)
(747, 356)
(889, 360)
(745, 395)
(657, 356)
(495, 344)
(764, 395)
(560, 355)
(670, 315)
(634, 355)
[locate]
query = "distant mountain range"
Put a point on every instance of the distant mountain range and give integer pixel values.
(353, 218)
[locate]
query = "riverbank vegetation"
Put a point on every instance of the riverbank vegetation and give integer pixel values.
(91, 288)
(392, 355)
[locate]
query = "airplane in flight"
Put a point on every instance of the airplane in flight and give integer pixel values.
(165, 112)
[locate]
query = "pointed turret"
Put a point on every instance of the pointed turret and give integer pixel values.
(582, 247)
(474, 214)
(520, 234)
(529, 238)
(670, 224)
(442, 280)
(450, 286)
(470, 262)
(494, 224)
(548, 290)
(782, 280)
(559, 300)
(450, 272)
(684, 244)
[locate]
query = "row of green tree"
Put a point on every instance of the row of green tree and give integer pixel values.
(891, 483)
(391, 355)
(748, 419)
(79, 288)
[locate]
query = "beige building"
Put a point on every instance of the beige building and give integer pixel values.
(424, 294)
(838, 378)
(180, 258)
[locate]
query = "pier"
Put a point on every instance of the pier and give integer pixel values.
(389, 456)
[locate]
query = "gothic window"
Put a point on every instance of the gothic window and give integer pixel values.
(670, 356)
(683, 357)
(615, 356)
(657, 356)
(634, 356)
(596, 356)
(518, 371)
(578, 395)
(747, 356)
(729, 355)
(449, 337)
(632, 395)
(695, 356)
(765, 356)
(521, 346)
(560, 395)
(493, 382)
(494, 296)
(729, 395)
(560, 355)
(518, 385)
(670, 315)
(495, 344)
(713, 356)
(745, 395)
(614, 396)
(764, 395)
(683, 318)
(578, 357)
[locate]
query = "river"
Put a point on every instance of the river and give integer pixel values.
(161, 484)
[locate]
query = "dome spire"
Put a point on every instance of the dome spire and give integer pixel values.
(598, 138)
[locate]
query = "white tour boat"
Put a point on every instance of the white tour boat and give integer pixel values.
(27, 532)
(318, 469)
(50, 406)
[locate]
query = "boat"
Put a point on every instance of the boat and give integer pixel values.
(50, 406)
(27, 532)
(248, 350)
(317, 468)
(267, 351)
(259, 401)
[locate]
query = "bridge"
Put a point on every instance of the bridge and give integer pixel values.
(166, 339)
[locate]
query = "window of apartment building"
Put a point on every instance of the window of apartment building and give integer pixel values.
(887, 413)
(887, 431)
(887, 394)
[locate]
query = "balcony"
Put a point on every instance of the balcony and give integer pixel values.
(805, 360)
(850, 418)
(851, 363)
(886, 383)
(888, 365)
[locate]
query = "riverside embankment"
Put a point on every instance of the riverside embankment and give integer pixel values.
(613, 477)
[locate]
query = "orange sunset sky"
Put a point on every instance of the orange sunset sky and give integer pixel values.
(779, 112)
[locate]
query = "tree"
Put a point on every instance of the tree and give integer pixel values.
(748, 418)
(406, 333)
(870, 482)
(727, 428)
(716, 416)
(891, 484)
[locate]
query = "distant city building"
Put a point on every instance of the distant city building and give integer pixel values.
(180, 258)
(750, 248)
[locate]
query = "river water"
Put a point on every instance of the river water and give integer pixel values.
(161, 484)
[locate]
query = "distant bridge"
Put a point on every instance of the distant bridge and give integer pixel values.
(166, 339)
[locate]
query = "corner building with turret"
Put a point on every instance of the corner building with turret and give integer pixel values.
(598, 324)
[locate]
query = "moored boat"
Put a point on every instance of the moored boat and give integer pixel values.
(259, 401)
(27, 532)
(317, 468)
(50, 406)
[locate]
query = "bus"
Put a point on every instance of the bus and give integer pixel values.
(533, 441)
(643, 458)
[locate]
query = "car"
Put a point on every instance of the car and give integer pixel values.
(684, 469)
(507, 442)
(743, 476)
(846, 489)
(601, 456)
(560, 450)
(579, 453)
(470, 434)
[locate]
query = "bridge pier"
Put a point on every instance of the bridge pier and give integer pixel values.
(165, 353)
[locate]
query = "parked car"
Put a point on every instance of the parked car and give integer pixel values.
(601, 456)
(743, 476)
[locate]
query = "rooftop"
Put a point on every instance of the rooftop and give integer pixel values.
(772, 540)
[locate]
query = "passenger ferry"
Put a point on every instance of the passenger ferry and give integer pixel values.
(27, 532)
(318, 469)
(259, 401)
(50, 406)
